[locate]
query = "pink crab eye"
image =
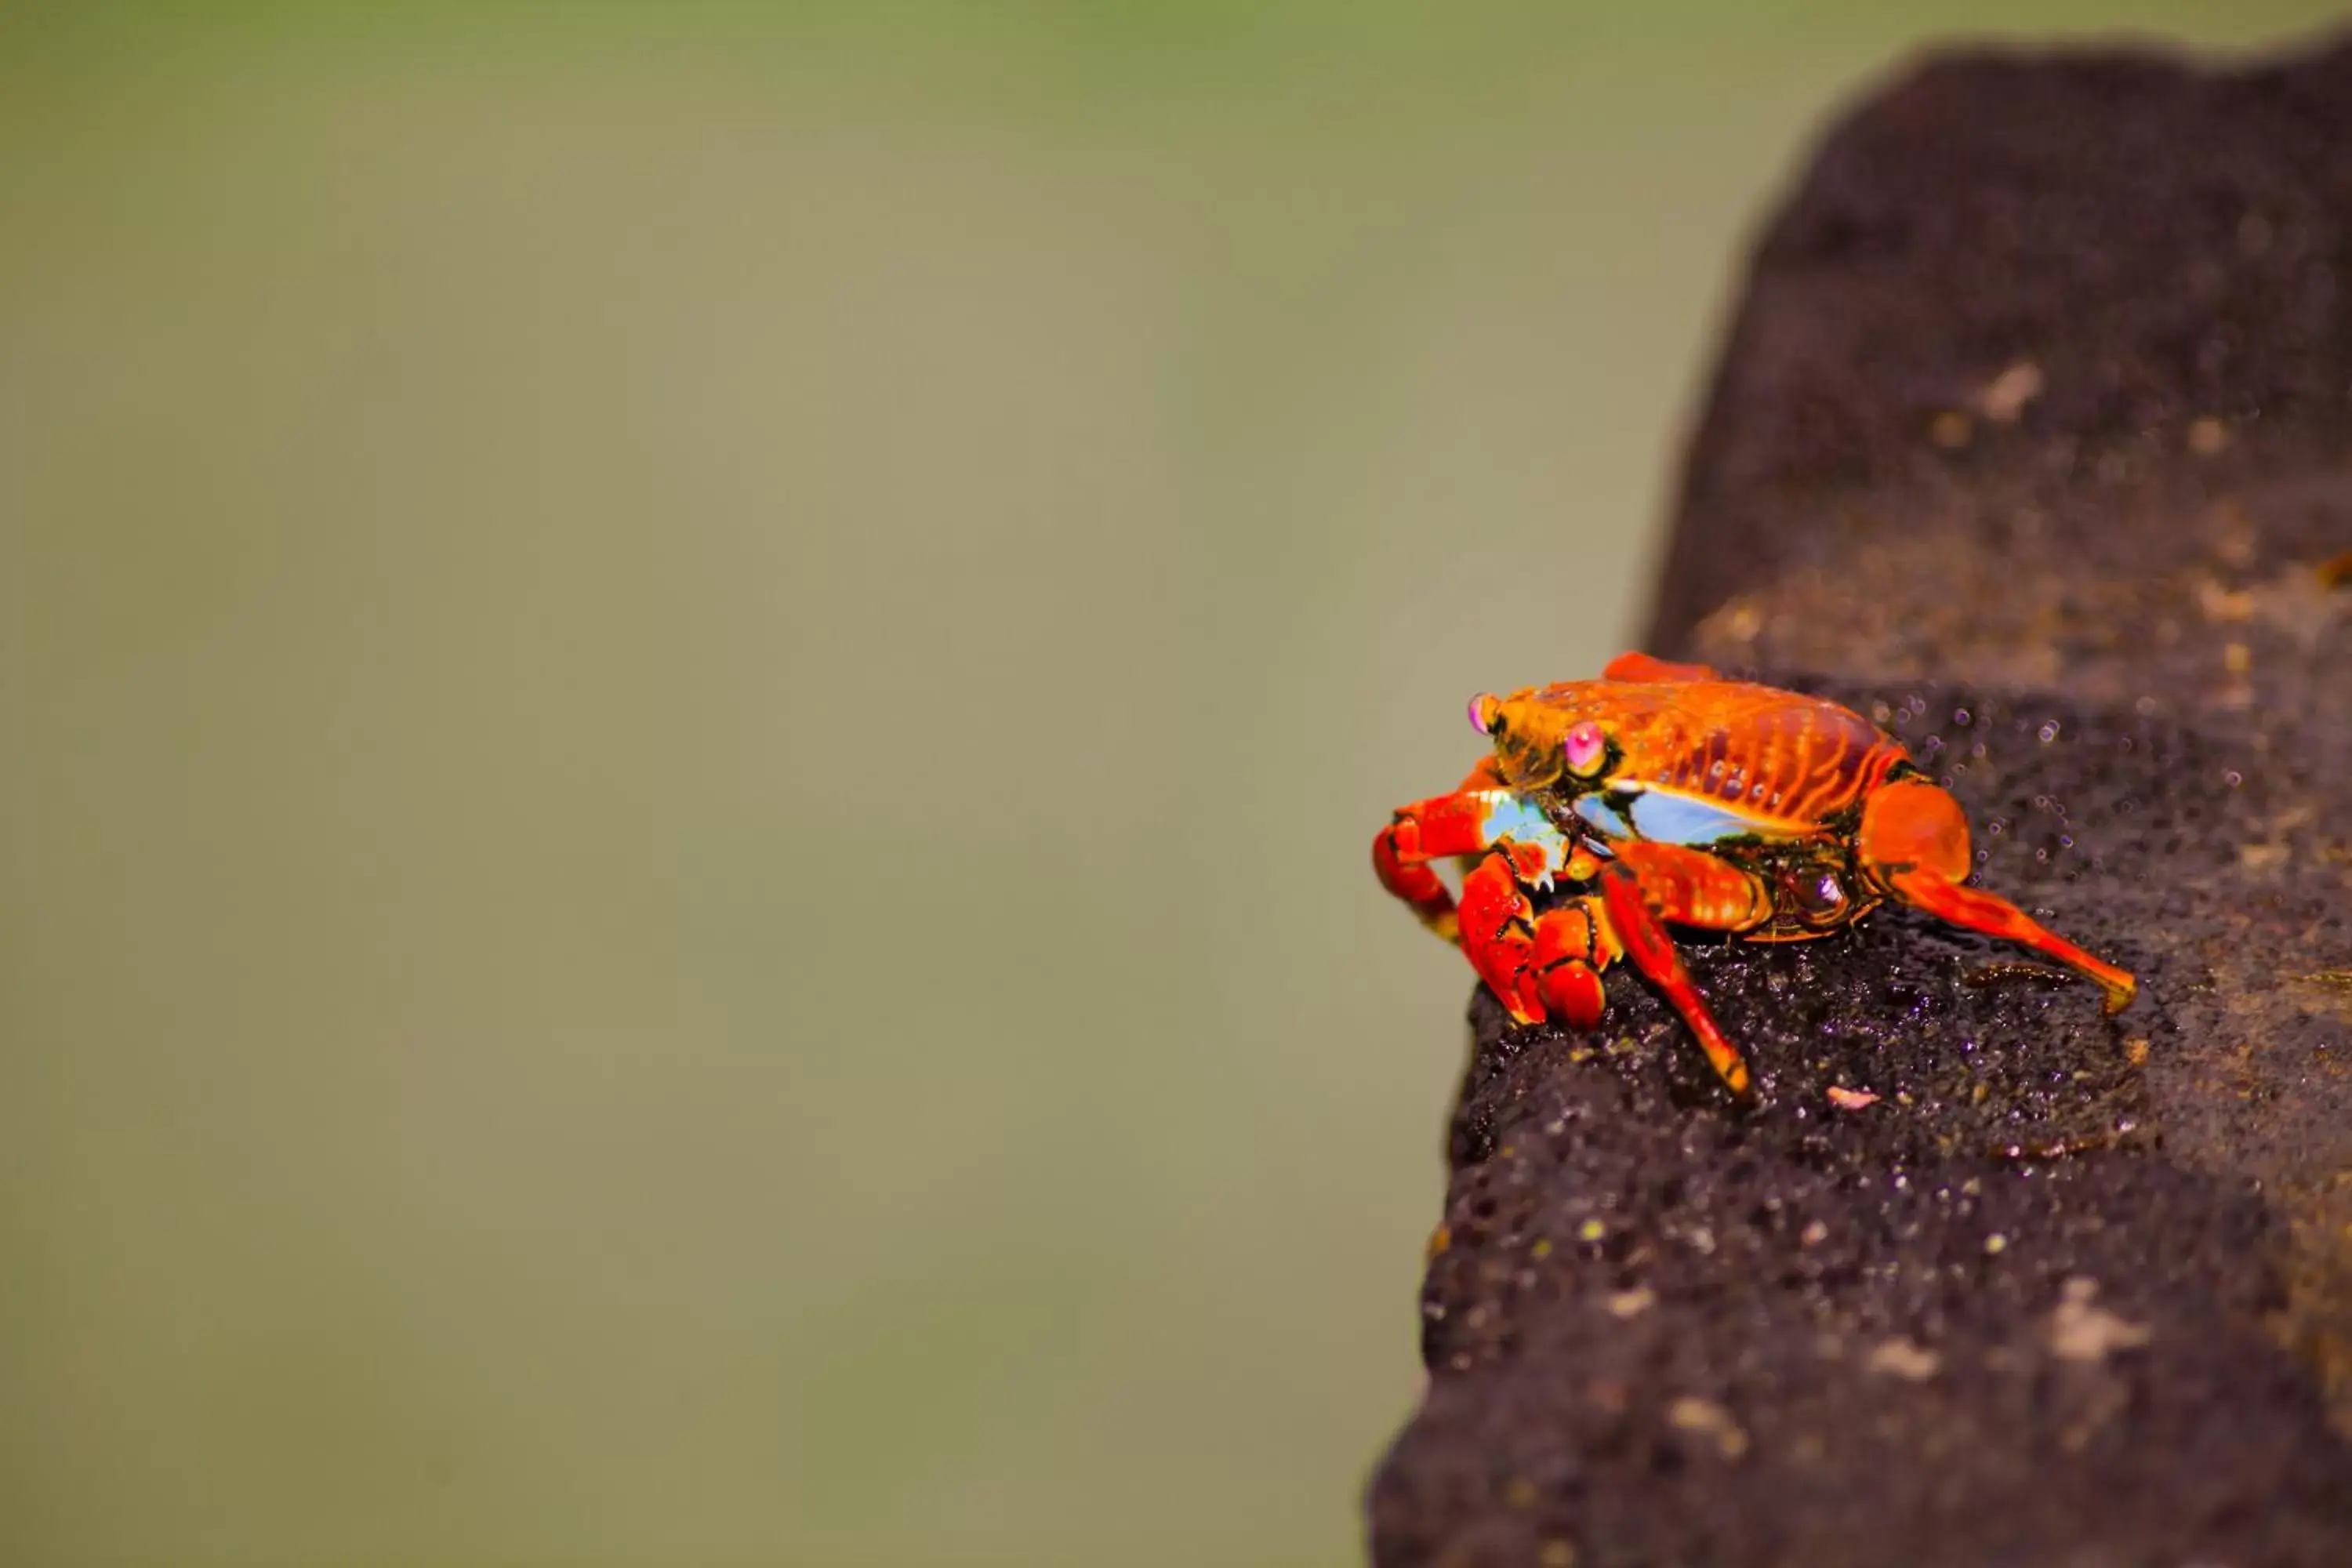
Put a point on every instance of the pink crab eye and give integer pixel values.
(1584, 747)
(1478, 712)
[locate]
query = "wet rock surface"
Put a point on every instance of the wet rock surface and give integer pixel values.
(2031, 442)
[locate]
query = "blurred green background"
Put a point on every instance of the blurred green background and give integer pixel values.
(692, 699)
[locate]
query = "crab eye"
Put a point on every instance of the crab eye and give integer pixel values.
(1585, 747)
(1478, 712)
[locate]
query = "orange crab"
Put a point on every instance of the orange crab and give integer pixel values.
(1663, 793)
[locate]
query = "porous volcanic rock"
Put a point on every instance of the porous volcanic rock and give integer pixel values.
(2033, 441)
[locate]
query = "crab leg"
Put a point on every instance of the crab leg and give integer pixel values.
(1693, 888)
(1684, 885)
(1643, 667)
(1915, 841)
(1995, 916)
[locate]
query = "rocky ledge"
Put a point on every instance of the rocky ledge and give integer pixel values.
(2032, 440)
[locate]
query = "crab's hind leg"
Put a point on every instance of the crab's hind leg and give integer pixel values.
(1996, 915)
(1649, 884)
(1915, 841)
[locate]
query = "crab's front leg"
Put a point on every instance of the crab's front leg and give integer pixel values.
(1649, 884)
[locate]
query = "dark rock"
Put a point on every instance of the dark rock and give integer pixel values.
(2029, 440)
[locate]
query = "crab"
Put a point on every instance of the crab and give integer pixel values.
(1665, 795)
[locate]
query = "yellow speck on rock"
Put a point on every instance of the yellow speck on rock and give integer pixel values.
(2223, 604)
(1902, 1358)
(1709, 1419)
(1632, 1303)
(2005, 396)
(1591, 1230)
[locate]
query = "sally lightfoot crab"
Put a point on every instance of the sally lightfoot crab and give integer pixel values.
(1663, 794)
